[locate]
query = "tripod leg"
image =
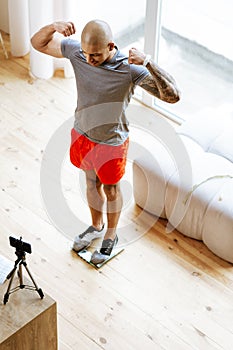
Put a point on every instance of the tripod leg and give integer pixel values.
(39, 290)
(6, 296)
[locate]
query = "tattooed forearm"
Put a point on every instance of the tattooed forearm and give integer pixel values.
(160, 84)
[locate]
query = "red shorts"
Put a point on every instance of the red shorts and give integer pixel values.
(107, 161)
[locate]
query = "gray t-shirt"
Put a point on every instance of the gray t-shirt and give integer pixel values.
(103, 94)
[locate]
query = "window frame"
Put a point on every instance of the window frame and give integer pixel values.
(151, 46)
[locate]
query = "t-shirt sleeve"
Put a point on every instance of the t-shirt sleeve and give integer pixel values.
(138, 73)
(69, 46)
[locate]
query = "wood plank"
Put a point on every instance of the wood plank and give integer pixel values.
(138, 281)
(165, 291)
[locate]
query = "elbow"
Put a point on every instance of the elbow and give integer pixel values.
(33, 43)
(171, 96)
(36, 44)
(178, 95)
(175, 97)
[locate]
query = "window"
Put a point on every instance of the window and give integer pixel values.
(126, 19)
(192, 46)
(192, 40)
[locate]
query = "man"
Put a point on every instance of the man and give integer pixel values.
(105, 81)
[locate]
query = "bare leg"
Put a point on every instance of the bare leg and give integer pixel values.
(114, 206)
(95, 198)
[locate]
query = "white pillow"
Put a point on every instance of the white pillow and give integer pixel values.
(206, 129)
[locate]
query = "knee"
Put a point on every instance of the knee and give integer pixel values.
(93, 184)
(112, 191)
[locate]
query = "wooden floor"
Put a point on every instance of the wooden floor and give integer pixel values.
(165, 291)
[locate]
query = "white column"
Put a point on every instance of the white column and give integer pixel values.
(65, 10)
(19, 27)
(57, 12)
(70, 13)
(40, 14)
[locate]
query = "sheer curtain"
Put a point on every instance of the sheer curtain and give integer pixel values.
(28, 16)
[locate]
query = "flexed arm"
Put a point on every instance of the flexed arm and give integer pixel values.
(159, 83)
(45, 41)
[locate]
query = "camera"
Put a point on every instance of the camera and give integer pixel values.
(20, 245)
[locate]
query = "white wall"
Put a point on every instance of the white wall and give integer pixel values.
(4, 22)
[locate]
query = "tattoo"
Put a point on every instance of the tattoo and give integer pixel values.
(160, 84)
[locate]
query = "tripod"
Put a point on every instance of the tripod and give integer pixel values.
(21, 261)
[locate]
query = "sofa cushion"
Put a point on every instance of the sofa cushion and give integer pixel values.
(187, 211)
(223, 144)
(217, 231)
(150, 176)
(195, 194)
(212, 133)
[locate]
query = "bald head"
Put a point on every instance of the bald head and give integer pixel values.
(97, 32)
(97, 43)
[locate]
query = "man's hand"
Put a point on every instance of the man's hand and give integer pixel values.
(64, 28)
(136, 56)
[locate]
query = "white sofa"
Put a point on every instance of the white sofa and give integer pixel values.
(192, 187)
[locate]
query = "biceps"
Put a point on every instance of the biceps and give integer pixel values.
(53, 48)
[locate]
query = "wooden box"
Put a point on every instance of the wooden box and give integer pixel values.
(27, 322)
